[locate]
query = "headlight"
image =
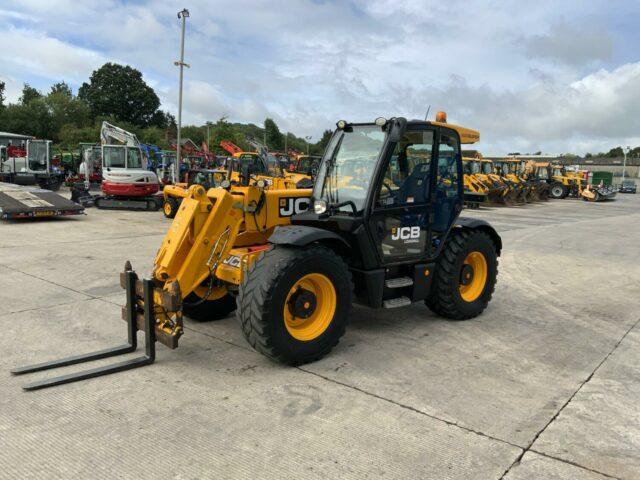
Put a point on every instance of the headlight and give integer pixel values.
(319, 206)
(381, 121)
(341, 124)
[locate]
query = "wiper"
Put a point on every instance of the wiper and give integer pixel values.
(330, 172)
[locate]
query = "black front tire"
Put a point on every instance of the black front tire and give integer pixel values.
(445, 298)
(262, 298)
(209, 310)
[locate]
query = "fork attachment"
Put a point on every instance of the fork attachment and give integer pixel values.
(129, 279)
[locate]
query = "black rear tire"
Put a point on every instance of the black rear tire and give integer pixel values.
(262, 300)
(209, 310)
(445, 298)
(170, 207)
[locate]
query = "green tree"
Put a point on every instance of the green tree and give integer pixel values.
(33, 118)
(29, 94)
(2, 97)
(154, 136)
(120, 91)
(615, 152)
(65, 109)
(162, 119)
(319, 147)
(61, 88)
(194, 133)
(70, 135)
(273, 136)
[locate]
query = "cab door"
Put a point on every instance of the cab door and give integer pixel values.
(402, 199)
(448, 186)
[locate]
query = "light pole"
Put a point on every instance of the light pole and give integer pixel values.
(184, 14)
(624, 162)
(307, 139)
(209, 135)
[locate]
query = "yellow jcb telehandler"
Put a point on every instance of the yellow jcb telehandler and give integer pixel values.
(387, 238)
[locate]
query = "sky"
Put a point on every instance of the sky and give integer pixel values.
(556, 76)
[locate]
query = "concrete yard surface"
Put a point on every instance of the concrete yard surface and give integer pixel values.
(544, 385)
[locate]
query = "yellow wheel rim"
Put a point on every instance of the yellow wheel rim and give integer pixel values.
(473, 278)
(316, 293)
(167, 208)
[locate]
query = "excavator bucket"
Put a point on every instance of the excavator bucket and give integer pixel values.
(139, 314)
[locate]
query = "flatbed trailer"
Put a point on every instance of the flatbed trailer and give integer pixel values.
(17, 201)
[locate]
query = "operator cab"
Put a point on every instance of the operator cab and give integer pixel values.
(121, 156)
(394, 187)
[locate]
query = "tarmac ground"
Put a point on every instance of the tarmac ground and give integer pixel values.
(545, 384)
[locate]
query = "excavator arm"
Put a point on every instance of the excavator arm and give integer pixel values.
(110, 135)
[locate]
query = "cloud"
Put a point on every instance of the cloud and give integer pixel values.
(569, 45)
(308, 63)
(45, 56)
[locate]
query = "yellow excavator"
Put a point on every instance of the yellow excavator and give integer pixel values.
(499, 190)
(507, 169)
(290, 261)
(475, 191)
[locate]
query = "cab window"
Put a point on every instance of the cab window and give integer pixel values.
(407, 178)
(447, 180)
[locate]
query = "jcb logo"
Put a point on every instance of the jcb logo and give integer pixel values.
(405, 233)
(232, 261)
(293, 205)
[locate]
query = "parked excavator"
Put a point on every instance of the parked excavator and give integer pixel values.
(535, 178)
(500, 190)
(508, 169)
(126, 183)
(290, 262)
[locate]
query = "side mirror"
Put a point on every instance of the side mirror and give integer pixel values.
(398, 126)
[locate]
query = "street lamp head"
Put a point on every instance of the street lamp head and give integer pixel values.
(184, 13)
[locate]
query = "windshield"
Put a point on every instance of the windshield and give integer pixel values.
(474, 167)
(273, 165)
(487, 168)
(134, 159)
(543, 173)
(502, 167)
(114, 156)
(306, 164)
(37, 156)
(346, 174)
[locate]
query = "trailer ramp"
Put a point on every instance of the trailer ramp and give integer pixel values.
(18, 201)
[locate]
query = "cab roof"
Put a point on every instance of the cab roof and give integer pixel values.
(467, 135)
